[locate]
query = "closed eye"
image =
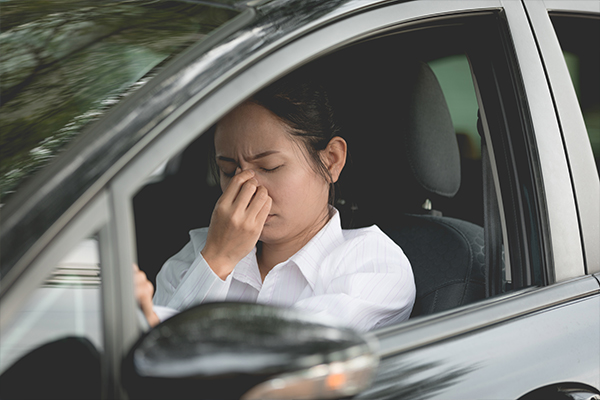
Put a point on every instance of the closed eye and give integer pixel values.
(271, 169)
(227, 174)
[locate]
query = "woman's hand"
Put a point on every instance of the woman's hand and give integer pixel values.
(143, 294)
(236, 223)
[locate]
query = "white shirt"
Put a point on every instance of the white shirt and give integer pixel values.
(358, 277)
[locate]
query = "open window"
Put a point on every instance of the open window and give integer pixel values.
(477, 238)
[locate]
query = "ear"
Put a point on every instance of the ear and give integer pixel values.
(334, 157)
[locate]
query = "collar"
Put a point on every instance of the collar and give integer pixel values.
(310, 258)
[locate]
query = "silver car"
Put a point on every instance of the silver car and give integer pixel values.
(474, 137)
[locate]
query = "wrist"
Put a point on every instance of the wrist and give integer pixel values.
(221, 266)
(152, 318)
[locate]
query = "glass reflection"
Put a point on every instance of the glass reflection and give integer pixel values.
(64, 67)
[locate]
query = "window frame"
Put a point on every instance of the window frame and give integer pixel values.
(554, 180)
(211, 107)
(582, 167)
(180, 133)
(515, 169)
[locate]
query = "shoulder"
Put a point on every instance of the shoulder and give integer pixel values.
(370, 249)
(370, 236)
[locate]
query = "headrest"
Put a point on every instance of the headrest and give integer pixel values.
(431, 147)
(402, 148)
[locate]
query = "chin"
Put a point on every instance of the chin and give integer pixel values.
(269, 234)
(267, 237)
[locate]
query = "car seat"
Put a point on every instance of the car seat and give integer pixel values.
(403, 160)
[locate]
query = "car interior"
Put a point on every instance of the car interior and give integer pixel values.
(404, 171)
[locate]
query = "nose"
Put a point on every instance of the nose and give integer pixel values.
(240, 169)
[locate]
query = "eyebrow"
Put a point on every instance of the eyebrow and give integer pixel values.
(251, 158)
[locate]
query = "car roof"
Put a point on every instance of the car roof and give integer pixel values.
(80, 172)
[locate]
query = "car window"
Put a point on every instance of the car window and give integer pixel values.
(66, 305)
(579, 37)
(185, 192)
(454, 75)
(62, 67)
(56, 335)
(456, 80)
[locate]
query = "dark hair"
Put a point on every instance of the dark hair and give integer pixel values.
(301, 102)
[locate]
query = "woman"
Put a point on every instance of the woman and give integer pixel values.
(273, 236)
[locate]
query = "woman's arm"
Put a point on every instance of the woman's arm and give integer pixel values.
(143, 294)
(201, 270)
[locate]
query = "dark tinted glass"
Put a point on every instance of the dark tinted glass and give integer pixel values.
(579, 37)
(63, 66)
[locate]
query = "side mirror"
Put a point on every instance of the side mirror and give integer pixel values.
(248, 351)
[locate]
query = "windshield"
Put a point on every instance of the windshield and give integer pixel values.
(63, 66)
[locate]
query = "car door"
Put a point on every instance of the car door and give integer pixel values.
(543, 315)
(62, 69)
(516, 354)
(567, 34)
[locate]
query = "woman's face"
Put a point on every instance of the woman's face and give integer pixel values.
(251, 137)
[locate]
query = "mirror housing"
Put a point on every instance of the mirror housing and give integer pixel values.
(249, 351)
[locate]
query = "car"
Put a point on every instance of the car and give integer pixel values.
(473, 131)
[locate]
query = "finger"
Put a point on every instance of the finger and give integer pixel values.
(257, 202)
(262, 215)
(227, 181)
(245, 194)
(144, 289)
(236, 183)
(135, 267)
(140, 278)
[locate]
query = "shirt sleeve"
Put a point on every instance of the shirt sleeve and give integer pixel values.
(186, 279)
(164, 313)
(373, 285)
